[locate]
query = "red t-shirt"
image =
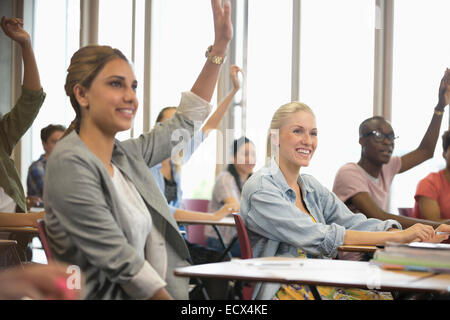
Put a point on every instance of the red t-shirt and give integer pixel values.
(435, 186)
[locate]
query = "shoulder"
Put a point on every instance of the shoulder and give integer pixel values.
(261, 180)
(432, 178)
(349, 167)
(393, 166)
(68, 152)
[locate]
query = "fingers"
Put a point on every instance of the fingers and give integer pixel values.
(227, 10)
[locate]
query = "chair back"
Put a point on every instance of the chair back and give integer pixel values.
(244, 241)
(246, 252)
(406, 212)
(43, 238)
(9, 256)
(196, 232)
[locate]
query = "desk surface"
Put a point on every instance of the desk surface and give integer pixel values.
(31, 230)
(227, 221)
(339, 273)
(355, 248)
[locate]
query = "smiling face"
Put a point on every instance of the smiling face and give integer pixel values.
(377, 152)
(298, 139)
(110, 103)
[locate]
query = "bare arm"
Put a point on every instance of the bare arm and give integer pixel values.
(215, 118)
(206, 82)
(181, 214)
(417, 232)
(364, 203)
(427, 146)
(429, 208)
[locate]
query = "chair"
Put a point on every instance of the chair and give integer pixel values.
(406, 212)
(43, 238)
(9, 255)
(246, 252)
(196, 232)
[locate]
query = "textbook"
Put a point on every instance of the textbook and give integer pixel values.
(415, 256)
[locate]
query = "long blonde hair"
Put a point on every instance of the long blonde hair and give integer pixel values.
(278, 120)
(85, 64)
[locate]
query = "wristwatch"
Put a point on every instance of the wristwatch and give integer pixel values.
(214, 59)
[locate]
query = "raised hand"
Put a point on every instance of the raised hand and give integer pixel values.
(223, 29)
(13, 28)
(234, 69)
(444, 90)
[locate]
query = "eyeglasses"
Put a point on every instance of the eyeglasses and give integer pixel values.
(380, 136)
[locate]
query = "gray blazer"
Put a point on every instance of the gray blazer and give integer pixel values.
(84, 224)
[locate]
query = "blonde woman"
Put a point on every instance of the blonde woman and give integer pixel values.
(292, 214)
(105, 212)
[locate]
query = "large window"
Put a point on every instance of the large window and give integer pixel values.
(336, 77)
(420, 57)
(268, 67)
(55, 39)
(179, 41)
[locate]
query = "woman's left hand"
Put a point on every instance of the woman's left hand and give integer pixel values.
(223, 29)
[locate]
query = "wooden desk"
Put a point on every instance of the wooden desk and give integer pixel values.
(227, 221)
(27, 230)
(355, 248)
(322, 272)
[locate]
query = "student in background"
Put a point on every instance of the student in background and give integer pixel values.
(35, 179)
(227, 191)
(168, 174)
(15, 123)
(168, 177)
(432, 198)
(364, 186)
(104, 211)
(292, 214)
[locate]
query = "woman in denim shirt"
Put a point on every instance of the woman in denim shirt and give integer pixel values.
(288, 214)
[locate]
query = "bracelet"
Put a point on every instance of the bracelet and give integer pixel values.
(438, 113)
(214, 59)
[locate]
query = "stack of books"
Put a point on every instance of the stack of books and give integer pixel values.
(415, 256)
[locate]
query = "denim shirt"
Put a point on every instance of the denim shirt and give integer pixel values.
(159, 178)
(276, 227)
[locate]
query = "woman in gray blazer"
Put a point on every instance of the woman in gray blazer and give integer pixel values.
(105, 212)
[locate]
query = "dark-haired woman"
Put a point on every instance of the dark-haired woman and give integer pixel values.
(104, 211)
(227, 191)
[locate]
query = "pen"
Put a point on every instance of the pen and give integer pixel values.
(442, 232)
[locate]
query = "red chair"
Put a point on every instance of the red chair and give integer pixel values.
(43, 238)
(406, 212)
(246, 252)
(196, 232)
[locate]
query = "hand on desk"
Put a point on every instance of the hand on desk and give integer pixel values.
(226, 210)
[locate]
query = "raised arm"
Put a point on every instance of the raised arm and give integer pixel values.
(215, 118)
(13, 28)
(206, 82)
(427, 146)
